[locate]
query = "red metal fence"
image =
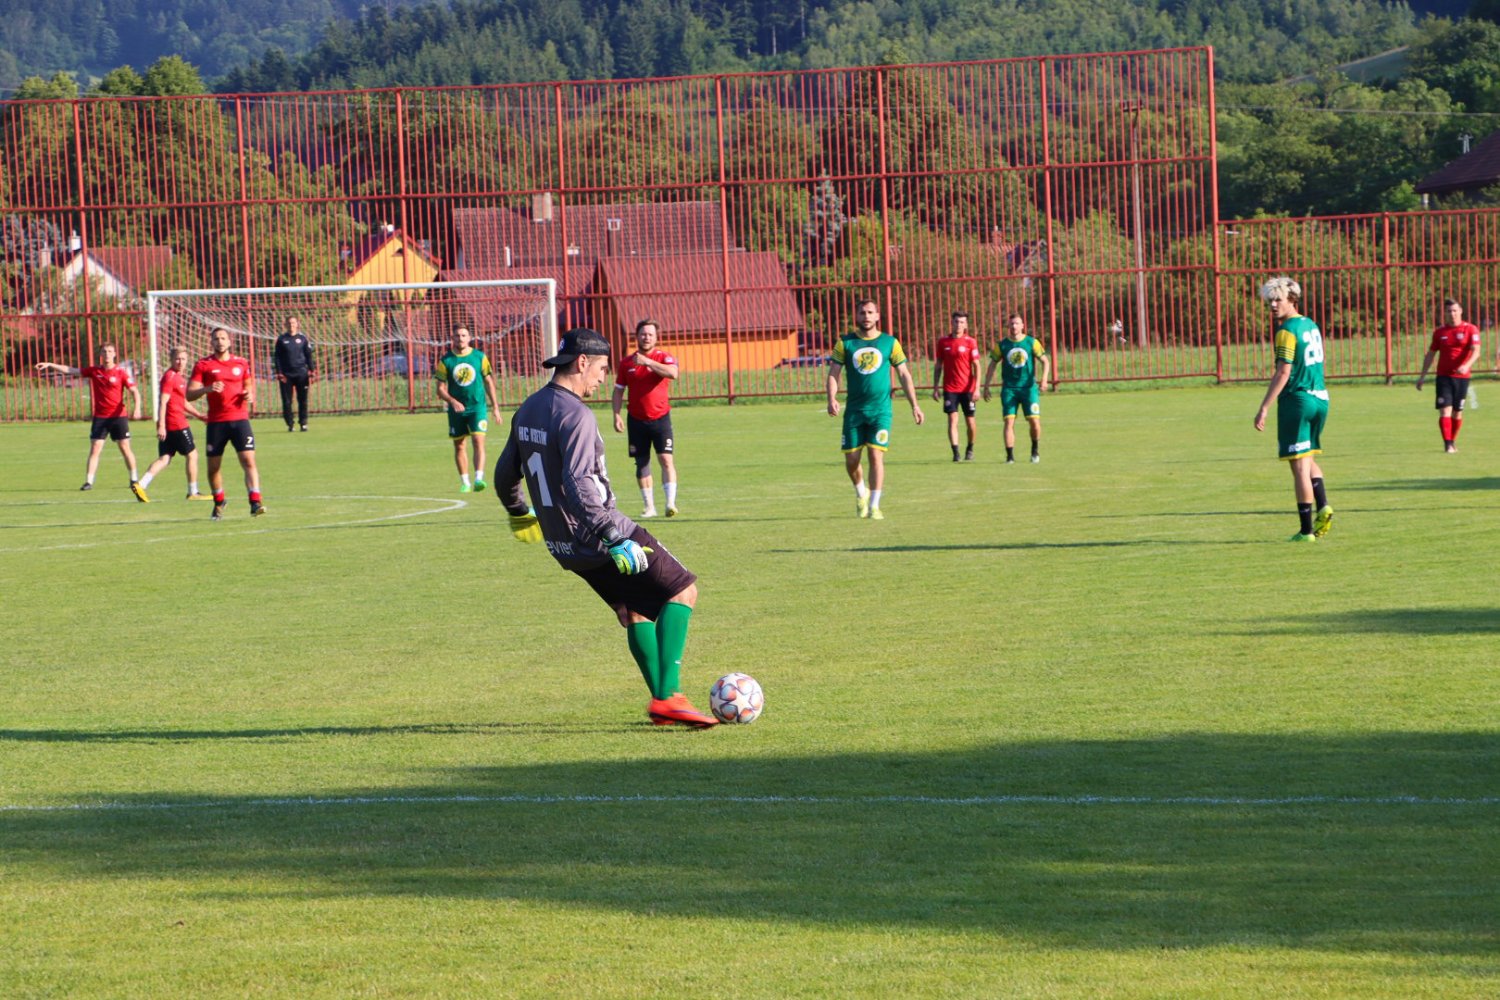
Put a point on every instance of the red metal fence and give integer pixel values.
(745, 213)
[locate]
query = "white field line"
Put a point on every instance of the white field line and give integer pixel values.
(315, 802)
(449, 504)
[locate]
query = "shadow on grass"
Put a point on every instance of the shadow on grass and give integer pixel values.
(294, 733)
(1024, 546)
(1390, 621)
(910, 840)
(1455, 484)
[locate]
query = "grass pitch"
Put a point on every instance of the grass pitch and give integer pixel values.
(1083, 728)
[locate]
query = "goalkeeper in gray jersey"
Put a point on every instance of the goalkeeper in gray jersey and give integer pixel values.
(555, 447)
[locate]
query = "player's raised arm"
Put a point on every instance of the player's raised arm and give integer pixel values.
(48, 366)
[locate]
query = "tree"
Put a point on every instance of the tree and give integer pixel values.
(1462, 59)
(61, 86)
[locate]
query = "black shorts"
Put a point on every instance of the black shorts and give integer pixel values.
(647, 434)
(644, 593)
(176, 443)
(114, 428)
(235, 432)
(956, 401)
(1452, 391)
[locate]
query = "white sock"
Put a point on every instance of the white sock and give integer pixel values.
(146, 480)
(648, 499)
(859, 488)
(875, 497)
(464, 479)
(193, 487)
(671, 491)
(89, 480)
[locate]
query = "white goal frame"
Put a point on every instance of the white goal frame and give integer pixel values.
(154, 299)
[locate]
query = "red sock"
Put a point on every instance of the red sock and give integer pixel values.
(1458, 422)
(1445, 424)
(255, 496)
(219, 497)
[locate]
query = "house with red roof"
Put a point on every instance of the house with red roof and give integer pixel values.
(753, 321)
(1471, 173)
(615, 264)
(122, 273)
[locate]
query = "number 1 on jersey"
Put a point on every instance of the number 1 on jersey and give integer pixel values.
(534, 466)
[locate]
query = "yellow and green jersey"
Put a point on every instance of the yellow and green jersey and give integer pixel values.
(869, 363)
(1299, 343)
(464, 375)
(1018, 361)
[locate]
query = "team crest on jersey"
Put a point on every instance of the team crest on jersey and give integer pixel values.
(464, 374)
(235, 371)
(867, 359)
(1016, 357)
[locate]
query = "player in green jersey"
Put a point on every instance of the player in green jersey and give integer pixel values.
(870, 354)
(1301, 404)
(465, 382)
(1020, 389)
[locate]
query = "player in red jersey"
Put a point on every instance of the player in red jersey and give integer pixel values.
(108, 383)
(957, 370)
(229, 384)
(647, 375)
(1456, 346)
(173, 435)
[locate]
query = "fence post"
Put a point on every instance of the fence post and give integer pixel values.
(724, 239)
(83, 236)
(1213, 195)
(1050, 274)
(404, 219)
(885, 195)
(1385, 277)
(562, 215)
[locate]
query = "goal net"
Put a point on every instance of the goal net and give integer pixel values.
(375, 346)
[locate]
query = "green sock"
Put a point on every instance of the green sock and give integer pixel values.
(642, 639)
(671, 638)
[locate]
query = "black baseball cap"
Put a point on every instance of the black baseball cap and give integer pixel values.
(578, 341)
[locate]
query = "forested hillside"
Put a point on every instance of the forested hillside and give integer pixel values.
(1325, 146)
(279, 44)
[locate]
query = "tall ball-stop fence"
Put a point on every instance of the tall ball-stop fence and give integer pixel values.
(745, 213)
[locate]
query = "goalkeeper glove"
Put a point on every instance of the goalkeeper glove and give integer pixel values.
(525, 527)
(629, 556)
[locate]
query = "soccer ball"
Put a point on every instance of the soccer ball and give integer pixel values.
(736, 698)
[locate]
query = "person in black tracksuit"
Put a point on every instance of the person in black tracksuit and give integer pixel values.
(295, 368)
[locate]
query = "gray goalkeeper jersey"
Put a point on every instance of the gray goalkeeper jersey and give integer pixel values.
(555, 447)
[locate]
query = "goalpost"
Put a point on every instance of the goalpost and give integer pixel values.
(375, 345)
